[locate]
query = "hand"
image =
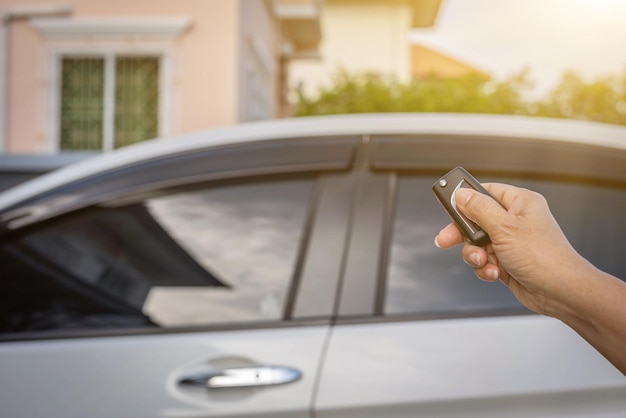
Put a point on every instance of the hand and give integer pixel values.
(528, 251)
(530, 254)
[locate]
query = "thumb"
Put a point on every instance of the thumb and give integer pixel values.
(479, 207)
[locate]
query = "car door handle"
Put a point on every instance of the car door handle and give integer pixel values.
(243, 377)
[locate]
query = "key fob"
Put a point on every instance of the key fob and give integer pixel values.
(444, 190)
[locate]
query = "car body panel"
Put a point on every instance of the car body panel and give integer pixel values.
(487, 363)
(137, 376)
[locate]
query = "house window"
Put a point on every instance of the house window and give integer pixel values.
(108, 102)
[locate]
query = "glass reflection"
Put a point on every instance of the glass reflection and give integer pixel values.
(247, 236)
(423, 278)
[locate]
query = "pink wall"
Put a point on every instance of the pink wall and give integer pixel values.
(25, 132)
(205, 82)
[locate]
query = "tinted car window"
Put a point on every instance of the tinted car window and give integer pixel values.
(426, 280)
(216, 255)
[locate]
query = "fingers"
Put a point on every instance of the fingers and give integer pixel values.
(475, 256)
(485, 264)
(449, 237)
(488, 273)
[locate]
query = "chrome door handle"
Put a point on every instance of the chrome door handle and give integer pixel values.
(243, 377)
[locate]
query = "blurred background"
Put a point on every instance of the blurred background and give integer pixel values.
(90, 76)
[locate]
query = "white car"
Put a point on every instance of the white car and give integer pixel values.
(287, 269)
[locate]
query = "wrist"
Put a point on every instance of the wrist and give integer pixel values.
(568, 298)
(587, 298)
(592, 304)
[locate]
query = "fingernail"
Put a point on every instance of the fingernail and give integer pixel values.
(493, 274)
(475, 259)
(436, 242)
(462, 195)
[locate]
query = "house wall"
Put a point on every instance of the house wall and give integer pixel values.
(24, 129)
(259, 55)
(203, 65)
(364, 35)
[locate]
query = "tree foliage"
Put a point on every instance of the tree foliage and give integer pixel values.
(602, 100)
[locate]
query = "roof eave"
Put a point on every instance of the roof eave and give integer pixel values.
(425, 13)
(300, 20)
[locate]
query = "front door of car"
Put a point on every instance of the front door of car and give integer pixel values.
(139, 376)
(418, 335)
(243, 335)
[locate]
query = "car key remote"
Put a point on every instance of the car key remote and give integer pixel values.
(445, 189)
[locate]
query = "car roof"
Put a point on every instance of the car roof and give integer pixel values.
(582, 132)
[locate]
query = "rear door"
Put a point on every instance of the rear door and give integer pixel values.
(182, 293)
(418, 335)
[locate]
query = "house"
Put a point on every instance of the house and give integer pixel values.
(93, 75)
(364, 36)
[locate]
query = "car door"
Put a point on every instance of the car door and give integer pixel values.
(418, 335)
(183, 293)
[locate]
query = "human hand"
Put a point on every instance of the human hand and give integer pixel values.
(528, 251)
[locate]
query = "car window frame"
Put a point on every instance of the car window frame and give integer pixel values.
(257, 158)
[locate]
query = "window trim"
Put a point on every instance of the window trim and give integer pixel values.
(514, 155)
(292, 155)
(439, 316)
(111, 28)
(317, 286)
(363, 258)
(160, 332)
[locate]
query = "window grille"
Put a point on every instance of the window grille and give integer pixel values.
(136, 99)
(82, 103)
(108, 104)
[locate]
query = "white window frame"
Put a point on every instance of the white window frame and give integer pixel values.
(109, 38)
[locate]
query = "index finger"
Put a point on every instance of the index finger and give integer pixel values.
(449, 237)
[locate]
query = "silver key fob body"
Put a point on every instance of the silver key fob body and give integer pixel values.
(445, 188)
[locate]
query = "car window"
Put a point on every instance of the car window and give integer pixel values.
(247, 236)
(424, 279)
(216, 255)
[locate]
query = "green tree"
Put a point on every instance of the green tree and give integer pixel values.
(600, 100)
(368, 92)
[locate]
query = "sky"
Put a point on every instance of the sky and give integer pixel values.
(549, 37)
